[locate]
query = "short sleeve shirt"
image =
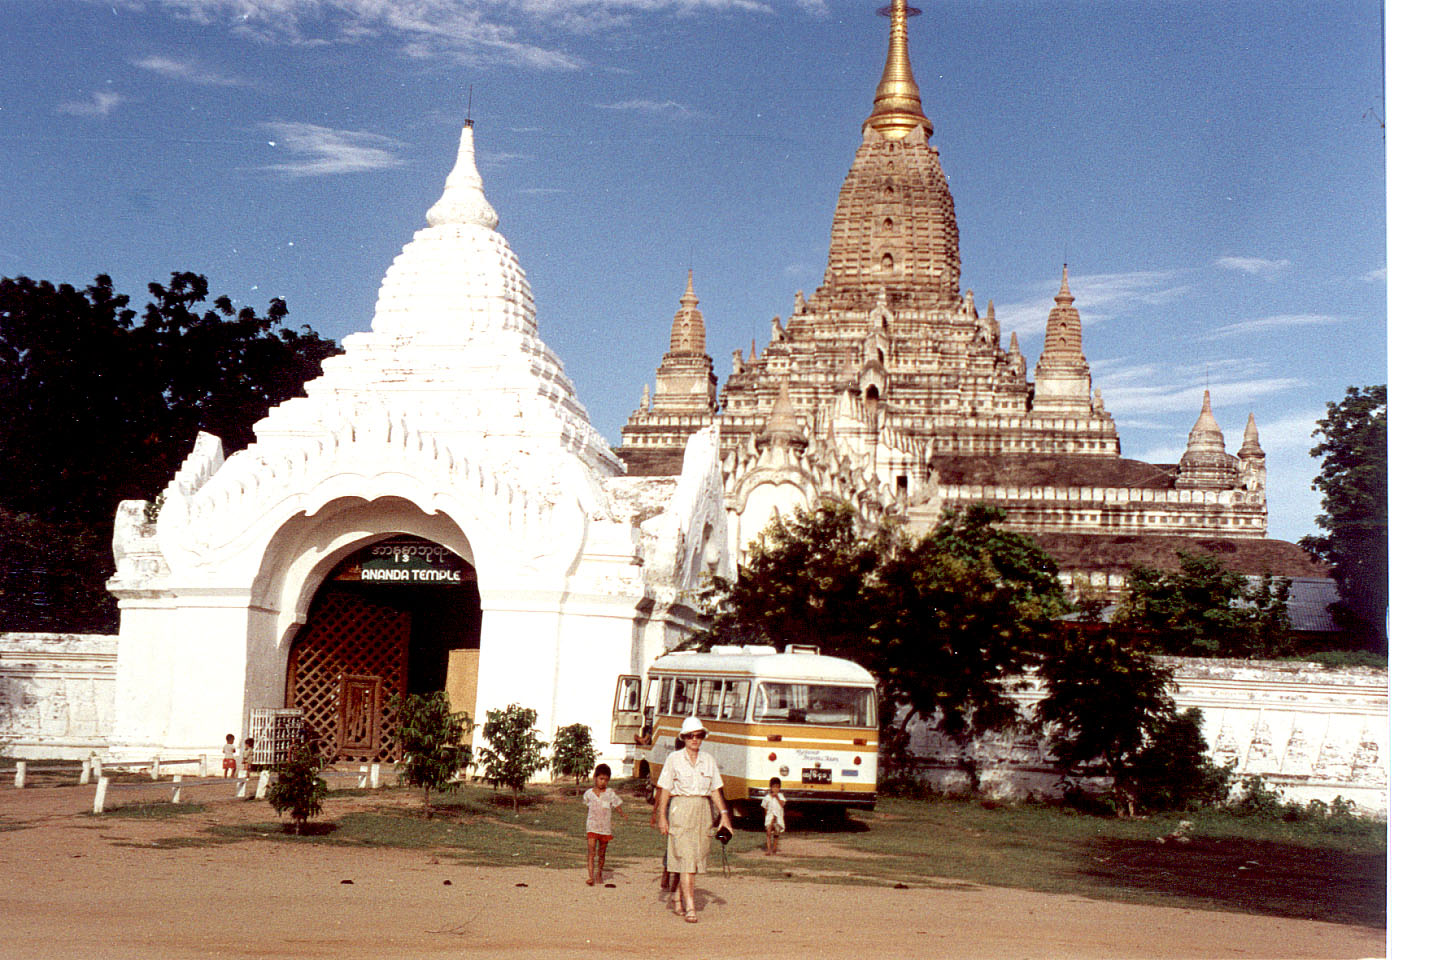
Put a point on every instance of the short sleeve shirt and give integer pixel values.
(684, 779)
(600, 805)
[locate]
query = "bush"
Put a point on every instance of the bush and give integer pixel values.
(1172, 771)
(430, 738)
(574, 752)
(515, 752)
(299, 789)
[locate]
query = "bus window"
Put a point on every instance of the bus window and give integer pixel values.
(708, 704)
(666, 685)
(815, 703)
(732, 704)
(684, 702)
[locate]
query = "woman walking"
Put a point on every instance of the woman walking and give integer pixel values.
(689, 787)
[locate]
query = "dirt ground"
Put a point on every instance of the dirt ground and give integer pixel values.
(72, 885)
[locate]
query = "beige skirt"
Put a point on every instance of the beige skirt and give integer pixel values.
(688, 849)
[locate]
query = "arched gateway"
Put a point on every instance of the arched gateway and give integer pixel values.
(448, 435)
(396, 617)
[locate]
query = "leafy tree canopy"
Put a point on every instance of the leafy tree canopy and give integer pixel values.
(102, 403)
(942, 621)
(574, 754)
(1354, 488)
(1204, 610)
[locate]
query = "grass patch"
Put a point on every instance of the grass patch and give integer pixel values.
(1231, 863)
(1320, 870)
(152, 810)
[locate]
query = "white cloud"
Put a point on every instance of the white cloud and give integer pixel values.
(1255, 266)
(471, 31)
(1137, 394)
(1376, 276)
(322, 151)
(187, 71)
(1098, 297)
(1275, 322)
(100, 104)
(651, 107)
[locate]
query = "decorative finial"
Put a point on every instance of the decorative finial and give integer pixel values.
(897, 98)
(464, 198)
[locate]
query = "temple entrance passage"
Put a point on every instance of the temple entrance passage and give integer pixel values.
(396, 617)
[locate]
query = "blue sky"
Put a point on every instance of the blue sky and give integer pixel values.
(1212, 170)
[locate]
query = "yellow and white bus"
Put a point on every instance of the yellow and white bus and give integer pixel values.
(809, 719)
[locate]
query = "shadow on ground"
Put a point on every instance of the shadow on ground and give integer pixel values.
(1291, 881)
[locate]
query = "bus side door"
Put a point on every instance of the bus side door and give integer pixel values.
(627, 718)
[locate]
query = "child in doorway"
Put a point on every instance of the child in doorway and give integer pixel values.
(227, 756)
(774, 807)
(600, 801)
(247, 757)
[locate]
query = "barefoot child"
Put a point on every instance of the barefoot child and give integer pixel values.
(227, 756)
(600, 800)
(774, 807)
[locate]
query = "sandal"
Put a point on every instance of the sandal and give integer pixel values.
(675, 905)
(690, 916)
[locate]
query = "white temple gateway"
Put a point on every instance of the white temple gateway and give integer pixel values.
(436, 512)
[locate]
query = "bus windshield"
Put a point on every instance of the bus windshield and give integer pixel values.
(815, 703)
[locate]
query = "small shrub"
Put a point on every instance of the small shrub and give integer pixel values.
(515, 752)
(299, 790)
(574, 753)
(430, 738)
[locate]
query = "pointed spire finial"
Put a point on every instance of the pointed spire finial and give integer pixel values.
(687, 330)
(897, 97)
(463, 200)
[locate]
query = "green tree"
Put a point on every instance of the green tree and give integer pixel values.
(515, 752)
(810, 579)
(1204, 610)
(962, 612)
(101, 405)
(574, 752)
(431, 741)
(1106, 700)
(299, 789)
(945, 623)
(1354, 488)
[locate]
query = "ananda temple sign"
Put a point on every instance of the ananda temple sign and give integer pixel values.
(405, 561)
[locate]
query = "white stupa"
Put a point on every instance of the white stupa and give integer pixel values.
(450, 429)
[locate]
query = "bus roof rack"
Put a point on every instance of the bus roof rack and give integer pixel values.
(801, 648)
(758, 649)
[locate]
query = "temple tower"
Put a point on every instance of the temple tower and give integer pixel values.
(1062, 377)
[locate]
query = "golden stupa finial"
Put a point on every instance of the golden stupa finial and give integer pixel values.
(897, 98)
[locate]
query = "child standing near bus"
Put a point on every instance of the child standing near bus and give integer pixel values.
(601, 801)
(227, 756)
(774, 807)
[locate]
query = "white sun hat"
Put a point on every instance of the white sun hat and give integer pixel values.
(691, 725)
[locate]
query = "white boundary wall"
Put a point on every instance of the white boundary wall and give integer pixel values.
(1312, 733)
(57, 694)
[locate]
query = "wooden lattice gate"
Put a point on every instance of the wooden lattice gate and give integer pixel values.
(347, 662)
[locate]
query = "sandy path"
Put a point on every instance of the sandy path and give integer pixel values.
(74, 886)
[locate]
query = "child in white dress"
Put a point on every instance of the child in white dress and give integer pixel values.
(774, 807)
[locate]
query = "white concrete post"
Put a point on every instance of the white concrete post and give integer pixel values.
(240, 788)
(84, 772)
(100, 786)
(155, 768)
(19, 774)
(175, 791)
(97, 767)
(200, 767)
(362, 780)
(374, 776)
(263, 785)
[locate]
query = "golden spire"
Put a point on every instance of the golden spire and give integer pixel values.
(897, 98)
